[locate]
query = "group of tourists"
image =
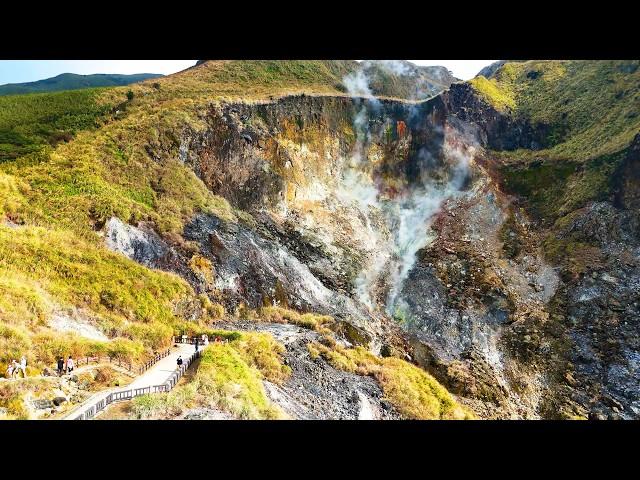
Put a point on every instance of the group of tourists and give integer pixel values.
(15, 367)
(65, 367)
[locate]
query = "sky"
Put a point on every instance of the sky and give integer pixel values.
(18, 71)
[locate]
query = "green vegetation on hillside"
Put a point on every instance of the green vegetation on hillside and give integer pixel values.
(77, 272)
(72, 81)
(592, 108)
(553, 189)
(500, 98)
(30, 122)
(100, 174)
(43, 271)
(244, 80)
(590, 113)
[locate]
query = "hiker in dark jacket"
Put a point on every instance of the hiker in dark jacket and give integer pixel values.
(60, 365)
(179, 361)
(197, 343)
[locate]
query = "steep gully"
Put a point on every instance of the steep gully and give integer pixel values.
(384, 214)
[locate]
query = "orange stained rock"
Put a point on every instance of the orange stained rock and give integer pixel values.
(401, 128)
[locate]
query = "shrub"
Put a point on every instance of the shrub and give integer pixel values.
(203, 268)
(262, 351)
(14, 342)
(154, 336)
(228, 382)
(213, 310)
(146, 406)
(17, 409)
(125, 349)
(48, 346)
(29, 122)
(284, 315)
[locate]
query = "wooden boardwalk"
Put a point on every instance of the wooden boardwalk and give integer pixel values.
(160, 377)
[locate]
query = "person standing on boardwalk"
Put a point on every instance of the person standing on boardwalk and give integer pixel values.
(197, 343)
(60, 366)
(179, 362)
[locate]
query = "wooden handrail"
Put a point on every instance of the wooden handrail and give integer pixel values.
(121, 395)
(86, 360)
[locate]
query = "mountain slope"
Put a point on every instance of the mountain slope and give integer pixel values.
(580, 109)
(402, 79)
(68, 205)
(468, 233)
(562, 141)
(72, 81)
(29, 123)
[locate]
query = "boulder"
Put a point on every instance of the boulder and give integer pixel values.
(42, 404)
(141, 246)
(59, 401)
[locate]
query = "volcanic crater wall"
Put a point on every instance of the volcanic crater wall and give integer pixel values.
(390, 214)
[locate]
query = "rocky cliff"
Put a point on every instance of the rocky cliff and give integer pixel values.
(488, 234)
(386, 213)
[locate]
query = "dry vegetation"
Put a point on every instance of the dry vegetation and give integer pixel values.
(275, 314)
(414, 393)
(228, 377)
(74, 159)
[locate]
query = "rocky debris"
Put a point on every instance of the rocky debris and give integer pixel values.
(205, 414)
(143, 247)
(77, 322)
(59, 401)
(602, 224)
(315, 389)
(42, 404)
(251, 268)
